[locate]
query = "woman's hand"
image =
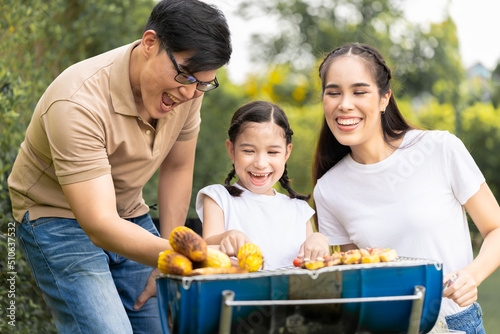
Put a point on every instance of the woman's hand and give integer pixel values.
(232, 242)
(316, 245)
(463, 290)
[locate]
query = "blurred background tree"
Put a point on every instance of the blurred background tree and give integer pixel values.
(423, 62)
(41, 38)
(495, 86)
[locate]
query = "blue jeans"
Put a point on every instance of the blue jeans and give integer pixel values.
(88, 289)
(469, 320)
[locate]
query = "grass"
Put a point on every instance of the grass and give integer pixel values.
(489, 297)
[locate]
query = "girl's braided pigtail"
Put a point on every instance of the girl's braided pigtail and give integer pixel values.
(285, 183)
(233, 191)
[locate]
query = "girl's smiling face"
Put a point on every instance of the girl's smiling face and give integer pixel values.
(352, 103)
(259, 154)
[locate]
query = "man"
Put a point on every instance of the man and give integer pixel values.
(98, 134)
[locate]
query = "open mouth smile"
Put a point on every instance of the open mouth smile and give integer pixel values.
(259, 178)
(168, 101)
(259, 175)
(348, 121)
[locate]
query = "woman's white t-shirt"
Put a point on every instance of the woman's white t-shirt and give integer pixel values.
(277, 224)
(411, 201)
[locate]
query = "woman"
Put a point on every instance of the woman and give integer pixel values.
(382, 183)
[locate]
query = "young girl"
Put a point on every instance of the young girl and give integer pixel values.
(382, 183)
(259, 144)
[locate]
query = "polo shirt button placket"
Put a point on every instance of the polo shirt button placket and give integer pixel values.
(148, 132)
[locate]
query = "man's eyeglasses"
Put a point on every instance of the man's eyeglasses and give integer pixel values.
(186, 79)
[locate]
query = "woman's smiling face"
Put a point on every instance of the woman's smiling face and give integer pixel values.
(259, 155)
(352, 103)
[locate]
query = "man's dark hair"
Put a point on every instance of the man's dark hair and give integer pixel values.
(191, 25)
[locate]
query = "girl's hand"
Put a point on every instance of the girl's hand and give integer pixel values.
(315, 246)
(232, 242)
(463, 290)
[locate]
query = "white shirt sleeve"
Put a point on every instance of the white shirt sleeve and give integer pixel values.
(214, 192)
(465, 177)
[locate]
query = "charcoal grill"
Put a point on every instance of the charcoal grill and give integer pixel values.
(403, 296)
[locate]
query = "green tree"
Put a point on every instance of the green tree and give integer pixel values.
(435, 116)
(311, 28)
(495, 83)
(422, 61)
(481, 134)
(306, 123)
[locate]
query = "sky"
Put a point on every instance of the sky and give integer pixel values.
(478, 27)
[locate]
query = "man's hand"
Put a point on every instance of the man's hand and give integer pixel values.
(149, 291)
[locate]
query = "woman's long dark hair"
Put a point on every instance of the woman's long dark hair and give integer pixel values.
(329, 151)
(260, 112)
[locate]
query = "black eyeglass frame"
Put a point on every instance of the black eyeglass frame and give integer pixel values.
(189, 79)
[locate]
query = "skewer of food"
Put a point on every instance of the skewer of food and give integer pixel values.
(353, 256)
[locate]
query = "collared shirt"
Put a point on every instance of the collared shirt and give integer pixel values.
(86, 125)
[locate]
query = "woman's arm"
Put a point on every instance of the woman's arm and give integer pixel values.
(484, 210)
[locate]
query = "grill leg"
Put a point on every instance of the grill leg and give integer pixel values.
(226, 313)
(416, 310)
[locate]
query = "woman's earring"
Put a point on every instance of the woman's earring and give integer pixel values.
(383, 111)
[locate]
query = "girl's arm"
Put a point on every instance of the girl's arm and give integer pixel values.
(485, 212)
(316, 244)
(214, 231)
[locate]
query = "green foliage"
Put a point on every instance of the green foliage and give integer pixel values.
(422, 61)
(311, 28)
(305, 122)
(438, 69)
(12, 95)
(481, 134)
(495, 81)
(435, 116)
(488, 297)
